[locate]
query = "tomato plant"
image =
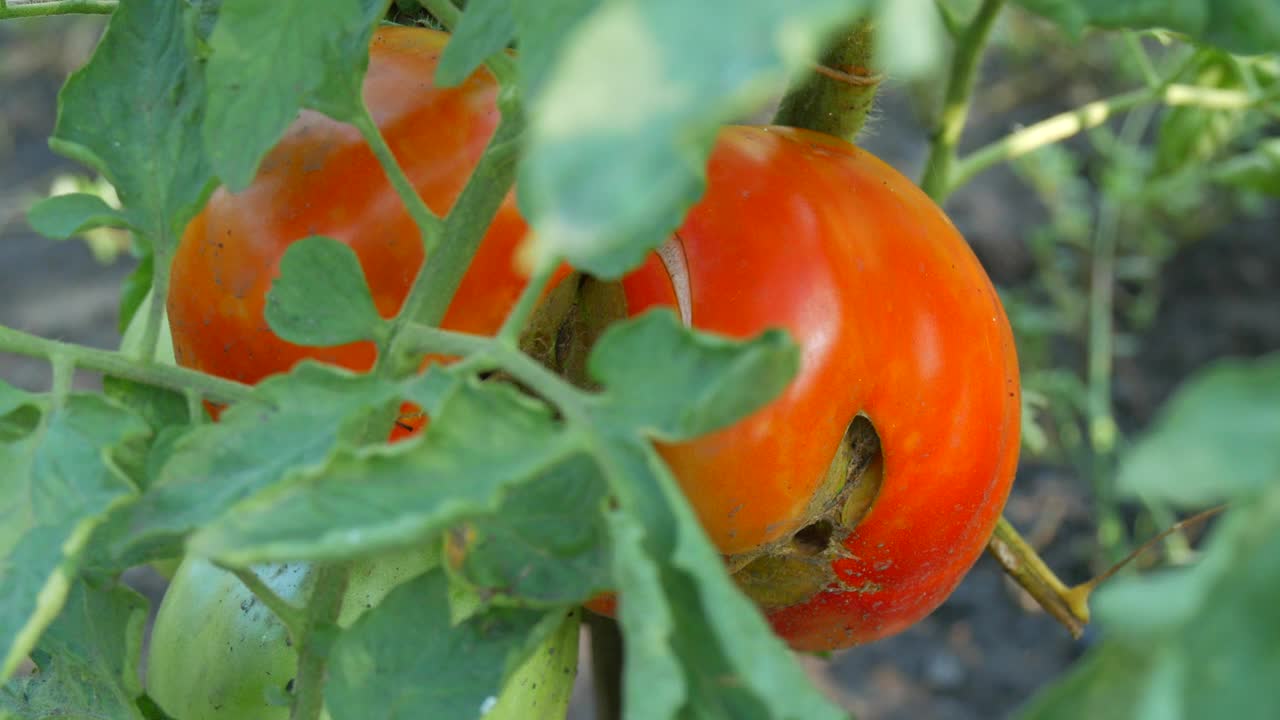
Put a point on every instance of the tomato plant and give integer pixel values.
(896, 319)
(218, 652)
(776, 402)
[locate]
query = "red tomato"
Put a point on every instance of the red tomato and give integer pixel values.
(322, 179)
(897, 322)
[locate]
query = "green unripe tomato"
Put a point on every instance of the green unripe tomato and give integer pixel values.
(217, 653)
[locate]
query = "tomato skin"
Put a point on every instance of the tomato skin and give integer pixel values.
(219, 654)
(896, 320)
(322, 179)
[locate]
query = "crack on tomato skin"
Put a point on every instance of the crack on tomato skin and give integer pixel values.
(799, 566)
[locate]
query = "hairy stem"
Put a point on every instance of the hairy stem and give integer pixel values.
(937, 180)
(838, 95)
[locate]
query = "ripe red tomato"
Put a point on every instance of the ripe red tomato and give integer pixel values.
(898, 323)
(322, 179)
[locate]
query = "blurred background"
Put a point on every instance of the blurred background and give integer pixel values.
(1123, 267)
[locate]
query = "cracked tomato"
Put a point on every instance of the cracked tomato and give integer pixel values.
(852, 505)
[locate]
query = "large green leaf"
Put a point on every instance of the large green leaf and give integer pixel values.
(87, 660)
(403, 660)
(61, 477)
(1215, 439)
(696, 647)
(1197, 642)
(270, 59)
(134, 114)
(485, 439)
(294, 423)
(621, 128)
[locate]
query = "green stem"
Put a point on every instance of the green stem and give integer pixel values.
(937, 181)
(11, 9)
(949, 20)
(1021, 562)
(1091, 115)
(836, 98)
(113, 363)
(64, 374)
(418, 339)
(530, 296)
(500, 64)
(291, 617)
(444, 11)
(313, 655)
(465, 227)
(428, 223)
(159, 299)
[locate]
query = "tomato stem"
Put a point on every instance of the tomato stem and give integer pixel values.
(113, 363)
(57, 7)
(532, 293)
(313, 655)
(837, 97)
(293, 619)
(1025, 566)
(429, 225)
(464, 227)
(1091, 115)
(937, 181)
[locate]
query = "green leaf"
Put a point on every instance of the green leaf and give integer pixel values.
(89, 660)
(546, 545)
(1192, 135)
(1238, 26)
(542, 28)
(676, 384)
(1098, 687)
(1258, 169)
(270, 59)
(59, 482)
(321, 297)
(1215, 439)
(62, 216)
(695, 645)
(142, 134)
(134, 291)
(485, 439)
(487, 27)
(131, 340)
(1197, 642)
(540, 688)
(620, 132)
(295, 424)
(403, 657)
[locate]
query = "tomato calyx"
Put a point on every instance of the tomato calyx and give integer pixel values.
(798, 566)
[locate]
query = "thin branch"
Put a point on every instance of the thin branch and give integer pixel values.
(955, 109)
(113, 363)
(42, 8)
